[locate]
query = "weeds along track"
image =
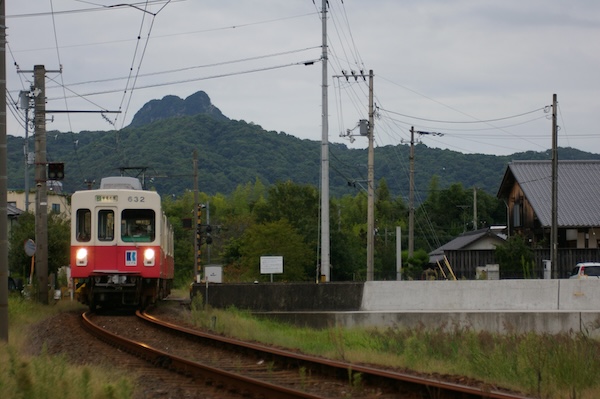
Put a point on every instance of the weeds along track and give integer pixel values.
(251, 370)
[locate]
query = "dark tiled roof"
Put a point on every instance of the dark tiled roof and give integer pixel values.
(463, 241)
(578, 190)
(12, 211)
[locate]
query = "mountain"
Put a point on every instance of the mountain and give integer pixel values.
(164, 134)
(173, 106)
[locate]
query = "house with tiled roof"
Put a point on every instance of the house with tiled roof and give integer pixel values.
(486, 238)
(526, 189)
(468, 251)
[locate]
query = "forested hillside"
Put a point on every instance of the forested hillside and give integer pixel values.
(261, 189)
(165, 133)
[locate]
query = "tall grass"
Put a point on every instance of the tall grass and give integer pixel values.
(50, 376)
(544, 366)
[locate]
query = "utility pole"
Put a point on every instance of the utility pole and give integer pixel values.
(411, 196)
(3, 184)
(554, 227)
(325, 234)
(196, 219)
(366, 129)
(41, 197)
(475, 208)
(411, 192)
(25, 99)
(371, 190)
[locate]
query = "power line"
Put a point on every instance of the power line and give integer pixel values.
(465, 122)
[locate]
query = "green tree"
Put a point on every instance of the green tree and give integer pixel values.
(277, 238)
(59, 233)
(514, 257)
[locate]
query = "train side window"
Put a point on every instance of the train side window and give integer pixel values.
(138, 225)
(106, 225)
(84, 225)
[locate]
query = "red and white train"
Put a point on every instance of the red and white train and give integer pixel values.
(121, 245)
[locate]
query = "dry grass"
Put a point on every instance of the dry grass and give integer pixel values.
(49, 376)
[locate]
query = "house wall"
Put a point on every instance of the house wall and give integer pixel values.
(568, 238)
(18, 198)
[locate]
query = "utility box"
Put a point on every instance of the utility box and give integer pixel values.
(213, 273)
(363, 127)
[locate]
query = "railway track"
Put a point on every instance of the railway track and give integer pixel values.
(252, 370)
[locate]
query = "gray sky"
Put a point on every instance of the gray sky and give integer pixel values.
(474, 64)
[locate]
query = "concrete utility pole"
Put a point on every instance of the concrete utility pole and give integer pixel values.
(41, 197)
(371, 190)
(325, 274)
(3, 184)
(554, 227)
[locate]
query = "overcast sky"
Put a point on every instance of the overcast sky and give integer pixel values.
(480, 72)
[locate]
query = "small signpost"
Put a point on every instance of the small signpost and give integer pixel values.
(30, 248)
(271, 265)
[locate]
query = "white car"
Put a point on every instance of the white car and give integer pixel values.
(586, 270)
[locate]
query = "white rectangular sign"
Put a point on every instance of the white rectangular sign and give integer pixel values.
(271, 264)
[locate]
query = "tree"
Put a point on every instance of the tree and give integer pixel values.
(59, 233)
(277, 238)
(514, 257)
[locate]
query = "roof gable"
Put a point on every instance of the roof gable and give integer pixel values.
(578, 190)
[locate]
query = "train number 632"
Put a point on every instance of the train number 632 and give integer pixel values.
(136, 198)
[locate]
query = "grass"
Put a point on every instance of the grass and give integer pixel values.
(543, 366)
(49, 376)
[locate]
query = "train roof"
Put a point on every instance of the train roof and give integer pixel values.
(120, 182)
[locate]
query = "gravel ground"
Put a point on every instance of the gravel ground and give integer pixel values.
(63, 334)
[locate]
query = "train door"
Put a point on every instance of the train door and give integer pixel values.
(106, 249)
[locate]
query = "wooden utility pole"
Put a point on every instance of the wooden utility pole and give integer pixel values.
(475, 222)
(371, 190)
(411, 196)
(554, 227)
(197, 221)
(41, 196)
(411, 190)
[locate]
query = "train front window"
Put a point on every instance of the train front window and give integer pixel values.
(106, 225)
(83, 225)
(138, 225)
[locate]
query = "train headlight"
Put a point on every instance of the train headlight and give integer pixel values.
(149, 257)
(81, 257)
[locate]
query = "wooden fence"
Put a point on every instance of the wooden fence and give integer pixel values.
(464, 263)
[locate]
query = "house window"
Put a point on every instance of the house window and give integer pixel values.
(518, 213)
(56, 208)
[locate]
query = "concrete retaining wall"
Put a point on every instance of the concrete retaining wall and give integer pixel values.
(501, 306)
(509, 322)
(470, 295)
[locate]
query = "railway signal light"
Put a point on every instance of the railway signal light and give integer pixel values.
(203, 234)
(56, 171)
